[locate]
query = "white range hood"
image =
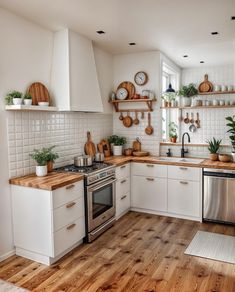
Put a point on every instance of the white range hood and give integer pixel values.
(74, 82)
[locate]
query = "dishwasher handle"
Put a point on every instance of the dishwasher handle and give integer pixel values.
(219, 174)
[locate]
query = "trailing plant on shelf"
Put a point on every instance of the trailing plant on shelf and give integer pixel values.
(41, 157)
(27, 99)
(213, 147)
(13, 97)
(173, 132)
(186, 92)
(231, 131)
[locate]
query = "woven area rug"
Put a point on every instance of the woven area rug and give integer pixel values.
(8, 287)
(213, 246)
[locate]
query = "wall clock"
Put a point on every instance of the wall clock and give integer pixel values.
(141, 78)
(122, 93)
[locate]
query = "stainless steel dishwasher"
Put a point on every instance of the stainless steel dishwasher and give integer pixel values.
(219, 195)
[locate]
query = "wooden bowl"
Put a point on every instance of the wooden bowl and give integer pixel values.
(224, 157)
(128, 151)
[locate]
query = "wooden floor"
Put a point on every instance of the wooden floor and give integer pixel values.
(140, 253)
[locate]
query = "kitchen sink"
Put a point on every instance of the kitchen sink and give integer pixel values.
(180, 160)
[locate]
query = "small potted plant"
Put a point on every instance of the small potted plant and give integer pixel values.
(118, 145)
(51, 157)
(27, 99)
(186, 92)
(213, 147)
(40, 156)
(111, 140)
(173, 132)
(231, 131)
(13, 97)
(168, 99)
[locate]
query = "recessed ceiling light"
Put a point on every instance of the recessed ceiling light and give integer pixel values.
(214, 32)
(100, 31)
(132, 44)
(202, 62)
(185, 56)
(232, 17)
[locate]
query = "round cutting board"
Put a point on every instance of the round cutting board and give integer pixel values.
(39, 93)
(130, 87)
(205, 86)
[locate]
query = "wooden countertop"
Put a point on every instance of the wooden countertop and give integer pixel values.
(52, 181)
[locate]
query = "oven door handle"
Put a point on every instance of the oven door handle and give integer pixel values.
(91, 190)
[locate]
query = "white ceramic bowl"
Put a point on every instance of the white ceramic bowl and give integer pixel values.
(43, 103)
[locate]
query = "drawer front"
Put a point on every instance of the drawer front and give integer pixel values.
(184, 172)
(68, 236)
(149, 169)
(123, 171)
(68, 213)
(122, 186)
(67, 194)
(123, 204)
(184, 197)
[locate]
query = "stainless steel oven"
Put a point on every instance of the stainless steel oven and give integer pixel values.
(101, 206)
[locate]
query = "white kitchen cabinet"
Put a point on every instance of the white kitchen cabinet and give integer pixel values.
(47, 224)
(149, 169)
(184, 197)
(149, 193)
(184, 172)
(74, 81)
(123, 185)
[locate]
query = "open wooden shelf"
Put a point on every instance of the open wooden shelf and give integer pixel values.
(22, 107)
(148, 102)
(199, 107)
(216, 92)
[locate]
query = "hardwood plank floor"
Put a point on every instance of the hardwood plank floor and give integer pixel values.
(141, 252)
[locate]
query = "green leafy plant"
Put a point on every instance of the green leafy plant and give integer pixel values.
(213, 145)
(173, 130)
(119, 141)
(50, 154)
(169, 96)
(40, 156)
(112, 139)
(27, 96)
(13, 94)
(188, 91)
(231, 130)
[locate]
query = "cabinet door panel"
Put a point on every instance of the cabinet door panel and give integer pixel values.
(123, 204)
(184, 172)
(123, 171)
(149, 169)
(122, 186)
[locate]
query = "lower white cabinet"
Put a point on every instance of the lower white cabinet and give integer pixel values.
(47, 224)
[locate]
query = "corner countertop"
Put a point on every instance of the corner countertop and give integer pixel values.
(52, 181)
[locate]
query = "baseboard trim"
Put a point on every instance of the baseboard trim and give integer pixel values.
(7, 255)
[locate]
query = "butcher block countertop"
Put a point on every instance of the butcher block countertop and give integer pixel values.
(52, 181)
(206, 163)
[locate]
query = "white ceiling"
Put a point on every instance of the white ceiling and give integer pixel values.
(175, 27)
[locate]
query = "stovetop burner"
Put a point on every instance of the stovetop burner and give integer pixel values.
(84, 169)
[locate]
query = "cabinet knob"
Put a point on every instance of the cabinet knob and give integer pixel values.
(183, 182)
(71, 226)
(149, 165)
(123, 197)
(183, 168)
(123, 181)
(123, 166)
(70, 187)
(70, 205)
(149, 179)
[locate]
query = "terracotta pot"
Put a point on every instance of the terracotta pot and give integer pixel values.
(173, 139)
(213, 156)
(49, 166)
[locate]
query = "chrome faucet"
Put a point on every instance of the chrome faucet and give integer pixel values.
(183, 151)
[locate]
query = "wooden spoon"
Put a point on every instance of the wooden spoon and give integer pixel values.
(136, 120)
(197, 122)
(127, 121)
(121, 117)
(192, 119)
(142, 115)
(149, 129)
(186, 120)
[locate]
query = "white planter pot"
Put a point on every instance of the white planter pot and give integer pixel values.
(17, 101)
(117, 150)
(27, 101)
(233, 156)
(41, 170)
(186, 101)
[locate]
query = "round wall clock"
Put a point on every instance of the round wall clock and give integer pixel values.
(141, 78)
(122, 93)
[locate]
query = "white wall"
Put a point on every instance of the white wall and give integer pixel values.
(125, 68)
(25, 56)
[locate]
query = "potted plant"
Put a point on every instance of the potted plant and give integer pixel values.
(13, 97)
(118, 145)
(51, 157)
(111, 140)
(40, 156)
(168, 98)
(186, 92)
(173, 132)
(213, 147)
(231, 131)
(27, 99)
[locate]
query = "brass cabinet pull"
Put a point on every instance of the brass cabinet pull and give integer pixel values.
(149, 179)
(123, 181)
(123, 166)
(183, 182)
(123, 197)
(70, 205)
(70, 187)
(71, 226)
(183, 168)
(149, 165)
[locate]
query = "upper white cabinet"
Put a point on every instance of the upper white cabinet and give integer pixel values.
(74, 82)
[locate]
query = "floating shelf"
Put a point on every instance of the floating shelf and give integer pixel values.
(149, 103)
(199, 107)
(216, 92)
(22, 107)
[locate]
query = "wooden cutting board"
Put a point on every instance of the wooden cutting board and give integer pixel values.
(129, 86)
(39, 93)
(104, 147)
(136, 145)
(206, 85)
(89, 147)
(140, 153)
